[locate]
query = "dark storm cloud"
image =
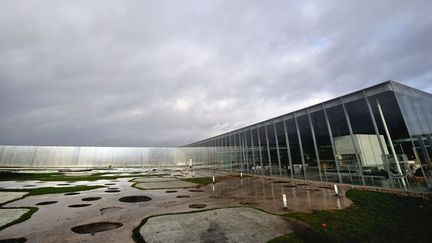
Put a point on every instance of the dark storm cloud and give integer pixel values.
(141, 73)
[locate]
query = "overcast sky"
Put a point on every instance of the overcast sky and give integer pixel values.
(168, 73)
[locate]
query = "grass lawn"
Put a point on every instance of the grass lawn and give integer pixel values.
(374, 217)
(13, 176)
(49, 190)
(40, 191)
(24, 217)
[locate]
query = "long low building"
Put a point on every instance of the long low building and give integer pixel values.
(378, 136)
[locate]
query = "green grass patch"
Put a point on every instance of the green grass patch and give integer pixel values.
(48, 190)
(238, 175)
(14, 176)
(51, 190)
(24, 217)
(199, 180)
(374, 217)
(40, 191)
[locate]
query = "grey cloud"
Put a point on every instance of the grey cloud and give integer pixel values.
(139, 73)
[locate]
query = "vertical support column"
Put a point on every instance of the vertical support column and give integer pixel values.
(301, 147)
(218, 154)
(268, 150)
(315, 145)
(253, 150)
(391, 143)
(384, 157)
(429, 139)
(246, 151)
(277, 147)
(288, 149)
(260, 151)
(227, 147)
(231, 143)
(236, 161)
(423, 149)
(243, 149)
(359, 164)
(332, 144)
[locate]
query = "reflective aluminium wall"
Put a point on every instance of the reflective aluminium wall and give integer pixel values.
(379, 136)
(56, 156)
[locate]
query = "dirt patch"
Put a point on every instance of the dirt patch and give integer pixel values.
(71, 193)
(79, 205)
(289, 186)
(196, 190)
(170, 191)
(14, 240)
(302, 184)
(88, 199)
(198, 205)
(135, 199)
(46, 203)
(96, 227)
(183, 196)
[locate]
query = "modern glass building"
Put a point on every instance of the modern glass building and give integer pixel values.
(378, 136)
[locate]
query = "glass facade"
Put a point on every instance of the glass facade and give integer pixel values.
(380, 136)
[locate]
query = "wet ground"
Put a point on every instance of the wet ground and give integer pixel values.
(53, 222)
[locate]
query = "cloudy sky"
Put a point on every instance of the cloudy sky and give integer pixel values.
(168, 73)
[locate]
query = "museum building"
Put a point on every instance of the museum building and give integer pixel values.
(378, 136)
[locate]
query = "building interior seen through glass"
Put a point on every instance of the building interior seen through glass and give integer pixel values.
(379, 136)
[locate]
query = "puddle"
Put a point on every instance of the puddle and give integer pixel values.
(196, 190)
(29, 185)
(170, 191)
(46, 203)
(63, 184)
(312, 189)
(280, 182)
(216, 197)
(14, 240)
(87, 199)
(71, 193)
(198, 205)
(134, 199)
(79, 205)
(249, 203)
(302, 184)
(109, 184)
(289, 186)
(96, 227)
(183, 196)
(111, 191)
(325, 187)
(113, 188)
